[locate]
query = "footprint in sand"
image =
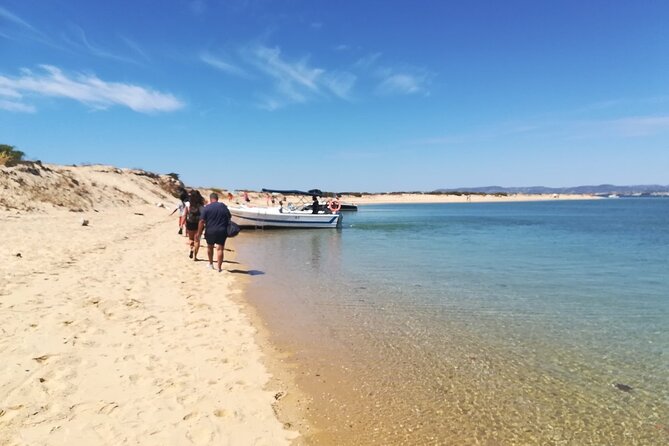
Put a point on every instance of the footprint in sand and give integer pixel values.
(108, 408)
(220, 413)
(132, 303)
(41, 359)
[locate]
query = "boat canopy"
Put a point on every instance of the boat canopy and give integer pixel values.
(311, 193)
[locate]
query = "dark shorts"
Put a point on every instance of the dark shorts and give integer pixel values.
(191, 226)
(215, 237)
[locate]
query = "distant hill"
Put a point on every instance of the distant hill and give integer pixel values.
(602, 189)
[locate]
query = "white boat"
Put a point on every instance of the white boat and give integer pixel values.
(276, 217)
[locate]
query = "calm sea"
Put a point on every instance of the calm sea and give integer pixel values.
(504, 323)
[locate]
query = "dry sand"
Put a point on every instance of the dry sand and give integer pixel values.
(111, 335)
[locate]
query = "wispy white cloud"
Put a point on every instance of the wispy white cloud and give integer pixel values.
(340, 83)
(80, 42)
(221, 64)
(620, 104)
(290, 76)
(402, 83)
(8, 92)
(391, 80)
(296, 81)
(640, 125)
(87, 89)
(21, 30)
(14, 106)
(367, 62)
(601, 105)
(269, 104)
(555, 130)
(399, 83)
(135, 47)
(7, 15)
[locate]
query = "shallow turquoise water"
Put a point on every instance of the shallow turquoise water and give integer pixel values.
(474, 323)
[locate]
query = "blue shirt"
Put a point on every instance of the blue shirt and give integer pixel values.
(216, 217)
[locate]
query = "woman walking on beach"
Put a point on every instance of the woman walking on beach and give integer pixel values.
(193, 209)
(181, 207)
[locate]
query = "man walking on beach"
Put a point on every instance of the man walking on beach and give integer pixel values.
(214, 220)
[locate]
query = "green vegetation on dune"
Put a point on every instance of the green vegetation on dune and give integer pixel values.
(9, 156)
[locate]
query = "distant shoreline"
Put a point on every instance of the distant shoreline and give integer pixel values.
(463, 198)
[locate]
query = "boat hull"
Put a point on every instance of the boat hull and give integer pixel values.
(344, 207)
(272, 218)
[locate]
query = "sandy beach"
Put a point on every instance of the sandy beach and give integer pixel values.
(110, 335)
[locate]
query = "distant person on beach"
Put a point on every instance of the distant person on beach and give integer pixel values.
(230, 196)
(314, 205)
(193, 215)
(214, 221)
(181, 207)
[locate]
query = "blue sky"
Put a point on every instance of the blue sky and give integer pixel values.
(343, 95)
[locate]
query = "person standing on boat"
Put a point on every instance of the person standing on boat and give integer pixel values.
(214, 220)
(315, 205)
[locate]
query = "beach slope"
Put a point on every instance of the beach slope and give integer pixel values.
(110, 335)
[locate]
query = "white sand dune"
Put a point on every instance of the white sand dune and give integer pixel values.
(38, 187)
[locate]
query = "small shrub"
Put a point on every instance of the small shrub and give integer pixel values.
(9, 156)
